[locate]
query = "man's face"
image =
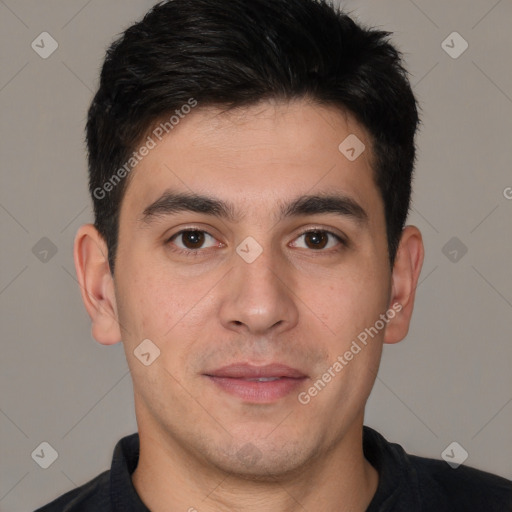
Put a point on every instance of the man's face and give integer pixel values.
(208, 300)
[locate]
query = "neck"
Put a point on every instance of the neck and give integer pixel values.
(170, 478)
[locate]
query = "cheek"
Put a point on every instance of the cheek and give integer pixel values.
(145, 305)
(348, 301)
(160, 305)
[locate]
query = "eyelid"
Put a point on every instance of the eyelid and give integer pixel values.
(202, 229)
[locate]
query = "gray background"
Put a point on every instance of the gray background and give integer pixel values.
(450, 380)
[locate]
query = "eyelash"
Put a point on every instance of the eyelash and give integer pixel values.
(197, 252)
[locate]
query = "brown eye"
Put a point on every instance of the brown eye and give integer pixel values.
(191, 239)
(317, 240)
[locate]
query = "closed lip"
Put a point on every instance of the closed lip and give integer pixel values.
(249, 371)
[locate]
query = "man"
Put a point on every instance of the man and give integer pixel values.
(250, 167)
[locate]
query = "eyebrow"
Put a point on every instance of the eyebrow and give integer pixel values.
(171, 202)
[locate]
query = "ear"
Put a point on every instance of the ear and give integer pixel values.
(404, 279)
(96, 284)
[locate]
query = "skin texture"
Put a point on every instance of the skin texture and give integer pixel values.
(295, 304)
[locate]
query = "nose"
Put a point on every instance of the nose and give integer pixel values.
(258, 297)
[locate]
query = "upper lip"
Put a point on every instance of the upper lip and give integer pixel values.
(249, 371)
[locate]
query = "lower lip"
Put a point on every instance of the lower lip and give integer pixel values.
(257, 392)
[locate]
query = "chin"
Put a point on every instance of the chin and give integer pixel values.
(262, 462)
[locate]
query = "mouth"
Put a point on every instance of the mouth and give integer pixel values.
(257, 384)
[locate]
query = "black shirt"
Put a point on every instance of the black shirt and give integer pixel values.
(407, 483)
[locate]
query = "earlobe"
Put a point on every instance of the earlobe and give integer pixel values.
(96, 284)
(406, 272)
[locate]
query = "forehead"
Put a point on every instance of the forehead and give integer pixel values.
(257, 156)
